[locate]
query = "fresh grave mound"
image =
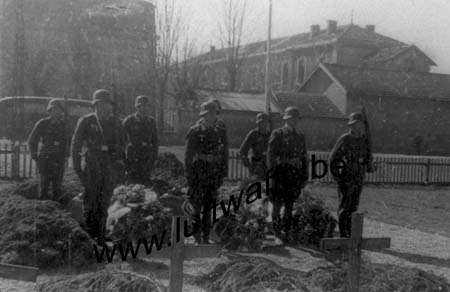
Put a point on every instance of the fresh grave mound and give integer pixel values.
(249, 274)
(311, 220)
(248, 228)
(104, 281)
(168, 168)
(379, 278)
(136, 213)
(244, 230)
(39, 230)
(71, 187)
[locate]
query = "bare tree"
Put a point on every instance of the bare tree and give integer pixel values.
(231, 28)
(169, 22)
(186, 70)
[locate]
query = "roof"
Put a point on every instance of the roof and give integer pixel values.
(386, 54)
(343, 33)
(384, 82)
(310, 105)
(43, 99)
(236, 101)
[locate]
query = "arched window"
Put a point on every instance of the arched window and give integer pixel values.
(285, 74)
(300, 70)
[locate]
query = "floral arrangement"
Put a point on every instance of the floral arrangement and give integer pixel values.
(141, 215)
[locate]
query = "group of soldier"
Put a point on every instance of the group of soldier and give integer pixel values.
(101, 144)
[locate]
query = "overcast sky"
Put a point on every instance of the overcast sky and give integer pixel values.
(425, 23)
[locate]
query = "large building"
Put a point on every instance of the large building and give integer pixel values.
(332, 72)
(295, 57)
(74, 47)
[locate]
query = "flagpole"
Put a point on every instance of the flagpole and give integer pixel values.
(268, 83)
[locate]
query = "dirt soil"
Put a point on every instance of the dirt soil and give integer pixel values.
(415, 218)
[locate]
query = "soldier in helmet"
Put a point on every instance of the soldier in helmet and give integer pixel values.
(101, 132)
(206, 167)
(142, 148)
(351, 148)
(50, 159)
(257, 140)
(288, 166)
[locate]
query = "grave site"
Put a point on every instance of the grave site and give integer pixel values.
(399, 241)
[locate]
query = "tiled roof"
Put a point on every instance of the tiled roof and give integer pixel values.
(318, 106)
(390, 83)
(389, 53)
(236, 101)
(348, 32)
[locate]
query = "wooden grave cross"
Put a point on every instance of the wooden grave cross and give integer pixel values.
(177, 252)
(354, 245)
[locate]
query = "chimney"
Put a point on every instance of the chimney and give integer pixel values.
(315, 30)
(332, 26)
(370, 27)
(212, 49)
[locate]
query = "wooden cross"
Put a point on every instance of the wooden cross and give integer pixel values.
(354, 245)
(177, 251)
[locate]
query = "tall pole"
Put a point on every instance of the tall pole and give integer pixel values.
(268, 81)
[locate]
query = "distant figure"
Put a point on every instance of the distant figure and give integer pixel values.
(142, 148)
(257, 140)
(353, 150)
(288, 164)
(206, 162)
(50, 159)
(103, 136)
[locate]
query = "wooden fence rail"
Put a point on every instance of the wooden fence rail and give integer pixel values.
(16, 163)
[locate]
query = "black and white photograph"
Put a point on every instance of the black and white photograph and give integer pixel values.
(224, 146)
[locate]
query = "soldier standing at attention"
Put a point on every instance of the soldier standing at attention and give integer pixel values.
(352, 149)
(103, 137)
(50, 160)
(142, 149)
(206, 166)
(288, 166)
(257, 140)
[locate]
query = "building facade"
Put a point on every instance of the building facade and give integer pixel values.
(295, 57)
(74, 47)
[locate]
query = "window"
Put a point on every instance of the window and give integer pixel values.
(300, 70)
(285, 74)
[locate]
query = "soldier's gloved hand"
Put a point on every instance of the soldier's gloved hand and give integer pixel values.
(34, 156)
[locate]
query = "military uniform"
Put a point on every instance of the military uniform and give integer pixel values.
(257, 141)
(104, 143)
(288, 164)
(142, 149)
(206, 163)
(353, 151)
(50, 159)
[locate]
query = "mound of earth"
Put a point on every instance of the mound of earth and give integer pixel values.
(30, 189)
(379, 278)
(168, 168)
(104, 281)
(36, 232)
(250, 274)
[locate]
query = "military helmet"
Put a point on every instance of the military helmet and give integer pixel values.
(101, 95)
(354, 118)
(261, 117)
(54, 102)
(291, 112)
(207, 107)
(140, 100)
(219, 107)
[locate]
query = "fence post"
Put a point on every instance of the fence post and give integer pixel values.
(427, 171)
(15, 161)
